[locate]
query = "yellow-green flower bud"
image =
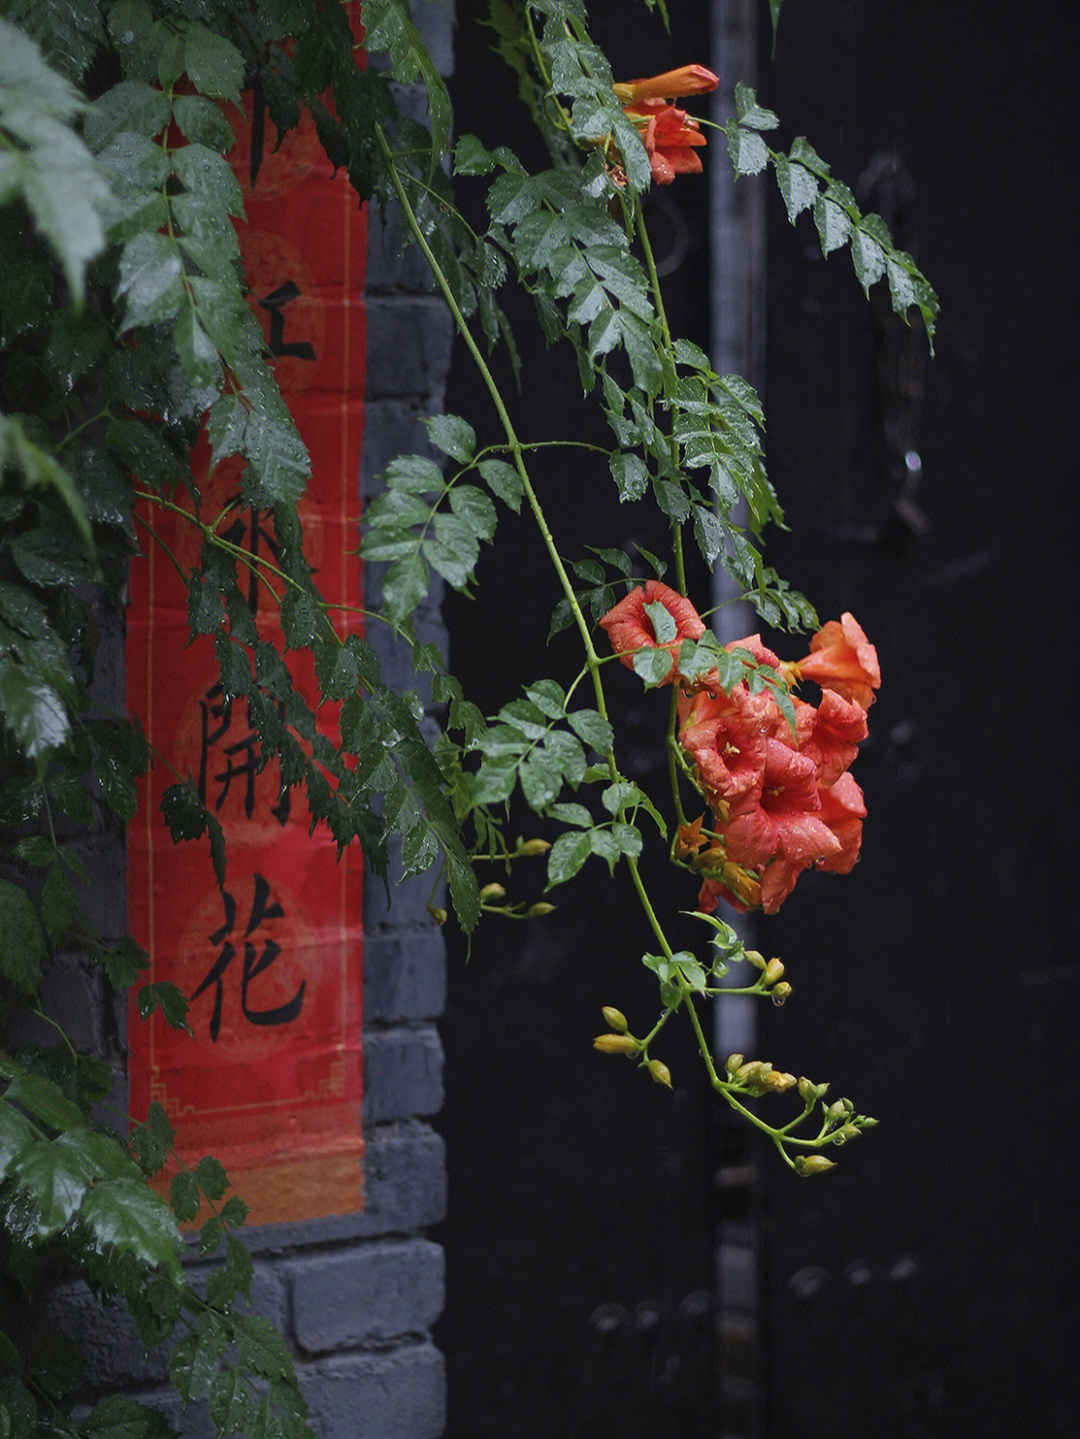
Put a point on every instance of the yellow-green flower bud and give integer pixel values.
(865, 1121)
(756, 958)
(660, 1072)
(734, 1062)
(780, 992)
(836, 1110)
(811, 1093)
(615, 1019)
(774, 971)
(779, 1083)
(492, 891)
(531, 847)
(437, 913)
(541, 907)
(808, 1164)
(616, 1044)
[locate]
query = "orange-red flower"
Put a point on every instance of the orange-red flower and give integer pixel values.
(630, 629)
(727, 744)
(836, 729)
(784, 820)
(669, 135)
(841, 658)
(686, 80)
(843, 810)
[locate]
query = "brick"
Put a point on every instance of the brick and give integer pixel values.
(103, 895)
(106, 1334)
(398, 901)
(73, 995)
(402, 1074)
(408, 345)
(372, 1293)
(404, 975)
(400, 1395)
(404, 1190)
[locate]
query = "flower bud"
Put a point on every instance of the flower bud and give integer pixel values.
(756, 958)
(774, 971)
(848, 1131)
(811, 1093)
(530, 847)
(616, 1044)
(780, 992)
(865, 1121)
(615, 1019)
(733, 1062)
(836, 1110)
(541, 907)
(660, 1072)
(437, 913)
(808, 1164)
(779, 1083)
(492, 891)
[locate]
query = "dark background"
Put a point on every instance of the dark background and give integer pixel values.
(928, 1286)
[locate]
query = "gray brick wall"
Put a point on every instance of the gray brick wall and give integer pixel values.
(356, 1295)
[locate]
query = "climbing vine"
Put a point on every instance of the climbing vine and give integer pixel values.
(125, 336)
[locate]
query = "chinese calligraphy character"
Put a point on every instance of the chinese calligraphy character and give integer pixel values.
(274, 305)
(242, 757)
(254, 963)
(251, 536)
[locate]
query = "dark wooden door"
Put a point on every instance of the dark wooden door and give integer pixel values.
(929, 1285)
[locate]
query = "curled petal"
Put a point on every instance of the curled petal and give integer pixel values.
(630, 629)
(843, 659)
(843, 810)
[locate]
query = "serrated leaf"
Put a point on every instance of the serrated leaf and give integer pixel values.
(503, 481)
(453, 435)
(22, 949)
(262, 1348)
(201, 122)
(150, 279)
(211, 1177)
(58, 903)
(56, 1176)
(797, 185)
(126, 1215)
(567, 855)
(654, 666)
(749, 153)
(593, 729)
(184, 1196)
(119, 1417)
(213, 64)
(867, 258)
(748, 110)
(473, 507)
(833, 224)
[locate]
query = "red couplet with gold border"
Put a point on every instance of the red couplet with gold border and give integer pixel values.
(271, 1082)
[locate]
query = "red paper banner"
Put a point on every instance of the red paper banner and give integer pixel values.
(272, 1080)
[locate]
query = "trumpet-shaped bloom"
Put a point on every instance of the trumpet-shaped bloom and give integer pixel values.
(686, 80)
(784, 821)
(669, 135)
(841, 658)
(727, 744)
(630, 629)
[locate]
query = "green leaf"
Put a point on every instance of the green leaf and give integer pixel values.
(453, 435)
(749, 153)
(389, 29)
(654, 666)
(593, 729)
(567, 855)
(16, 1135)
(126, 1215)
(504, 482)
(184, 1196)
(167, 997)
(58, 903)
(43, 1099)
(663, 623)
(262, 1348)
(56, 1175)
(214, 66)
(797, 185)
(473, 507)
(45, 161)
(405, 584)
(211, 1177)
(150, 279)
(22, 949)
(201, 122)
(749, 112)
(867, 257)
(833, 224)
(119, 1417)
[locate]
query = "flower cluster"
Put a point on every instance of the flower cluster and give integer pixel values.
(780, 801)
(669, 135)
